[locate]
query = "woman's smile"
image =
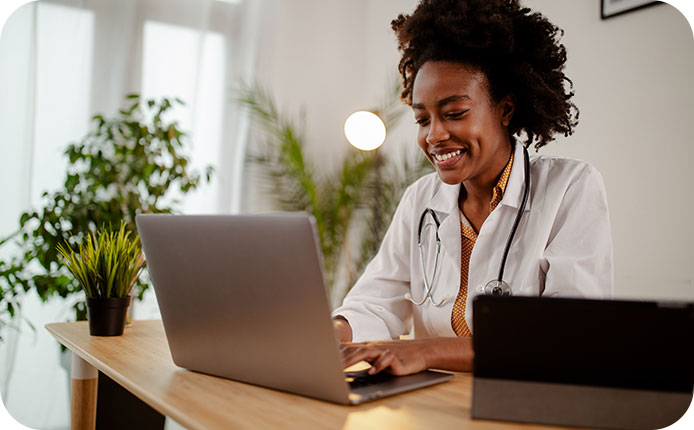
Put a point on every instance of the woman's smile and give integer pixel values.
(448, 158)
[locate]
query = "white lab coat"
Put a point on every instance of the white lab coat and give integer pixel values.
(563, 247)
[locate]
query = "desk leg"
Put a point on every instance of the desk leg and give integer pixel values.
(83, 397)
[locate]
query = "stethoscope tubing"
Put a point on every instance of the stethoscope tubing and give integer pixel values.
(428, 285)
(519, 215)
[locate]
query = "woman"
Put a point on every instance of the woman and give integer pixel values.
(484, 79)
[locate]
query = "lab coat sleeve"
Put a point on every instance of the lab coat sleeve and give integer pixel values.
(376, 307)
(578, 256)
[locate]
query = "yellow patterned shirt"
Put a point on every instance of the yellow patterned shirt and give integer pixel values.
(468, 237)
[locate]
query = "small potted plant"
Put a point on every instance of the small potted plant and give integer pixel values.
(106, 266)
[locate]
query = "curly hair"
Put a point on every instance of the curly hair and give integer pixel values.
(517, 50)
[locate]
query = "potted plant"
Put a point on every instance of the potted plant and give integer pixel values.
(133, 162)
(106, 266)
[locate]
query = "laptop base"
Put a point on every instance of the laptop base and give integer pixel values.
(576, 405)
(396, 385)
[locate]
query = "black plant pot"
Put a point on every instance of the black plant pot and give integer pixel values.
(107, 315)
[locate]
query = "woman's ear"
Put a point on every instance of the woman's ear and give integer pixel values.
(507, 106)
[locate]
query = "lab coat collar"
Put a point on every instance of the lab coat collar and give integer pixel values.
(513, 196)
(445, 203)
(445, 200)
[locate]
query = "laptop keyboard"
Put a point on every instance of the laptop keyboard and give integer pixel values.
(362, 378)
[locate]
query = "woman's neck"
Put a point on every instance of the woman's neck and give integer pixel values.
(476, 193)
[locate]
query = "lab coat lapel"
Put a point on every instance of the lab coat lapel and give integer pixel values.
(513, 196)
(445, 204)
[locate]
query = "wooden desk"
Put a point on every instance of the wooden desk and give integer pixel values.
(140, 361)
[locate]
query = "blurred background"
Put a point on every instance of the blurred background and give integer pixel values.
(62, 61)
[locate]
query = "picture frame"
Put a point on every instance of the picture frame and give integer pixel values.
(612, 8)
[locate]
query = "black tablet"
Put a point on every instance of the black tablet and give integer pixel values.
(579, 362)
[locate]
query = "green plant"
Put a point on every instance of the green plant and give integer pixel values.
(362, 195)
(125, 165)
(106, 264)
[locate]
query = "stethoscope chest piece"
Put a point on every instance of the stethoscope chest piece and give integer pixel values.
(497, 288)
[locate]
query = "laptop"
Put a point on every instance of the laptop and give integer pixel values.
(243, 297)
(585, 363)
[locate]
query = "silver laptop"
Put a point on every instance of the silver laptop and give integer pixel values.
(243, 297)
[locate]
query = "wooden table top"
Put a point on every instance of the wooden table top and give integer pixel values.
(141, 362)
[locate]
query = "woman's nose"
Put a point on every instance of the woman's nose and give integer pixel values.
(437, 133)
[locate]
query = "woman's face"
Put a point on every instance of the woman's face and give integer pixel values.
(461, 130)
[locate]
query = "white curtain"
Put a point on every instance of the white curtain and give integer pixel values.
(61, 61)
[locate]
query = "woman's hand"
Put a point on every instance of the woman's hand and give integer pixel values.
(398, 357)
(403, 357)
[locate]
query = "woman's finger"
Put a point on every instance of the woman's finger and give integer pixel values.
(356, 355)
(384, 360)
(367, 354)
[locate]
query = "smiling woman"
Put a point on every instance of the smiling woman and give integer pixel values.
(485, 80)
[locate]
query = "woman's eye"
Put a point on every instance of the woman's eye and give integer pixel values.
(421, 121)
(455, 115)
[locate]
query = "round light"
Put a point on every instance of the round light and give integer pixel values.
(365, 130)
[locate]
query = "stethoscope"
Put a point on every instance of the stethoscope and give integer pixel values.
(495, 287)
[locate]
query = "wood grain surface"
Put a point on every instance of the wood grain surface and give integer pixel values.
(140, 361)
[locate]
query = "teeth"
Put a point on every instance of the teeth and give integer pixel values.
(446, 156)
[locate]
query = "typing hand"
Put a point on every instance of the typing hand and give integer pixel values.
(399, 357)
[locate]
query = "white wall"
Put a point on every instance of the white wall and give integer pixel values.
(633, 79)
(327, 59)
